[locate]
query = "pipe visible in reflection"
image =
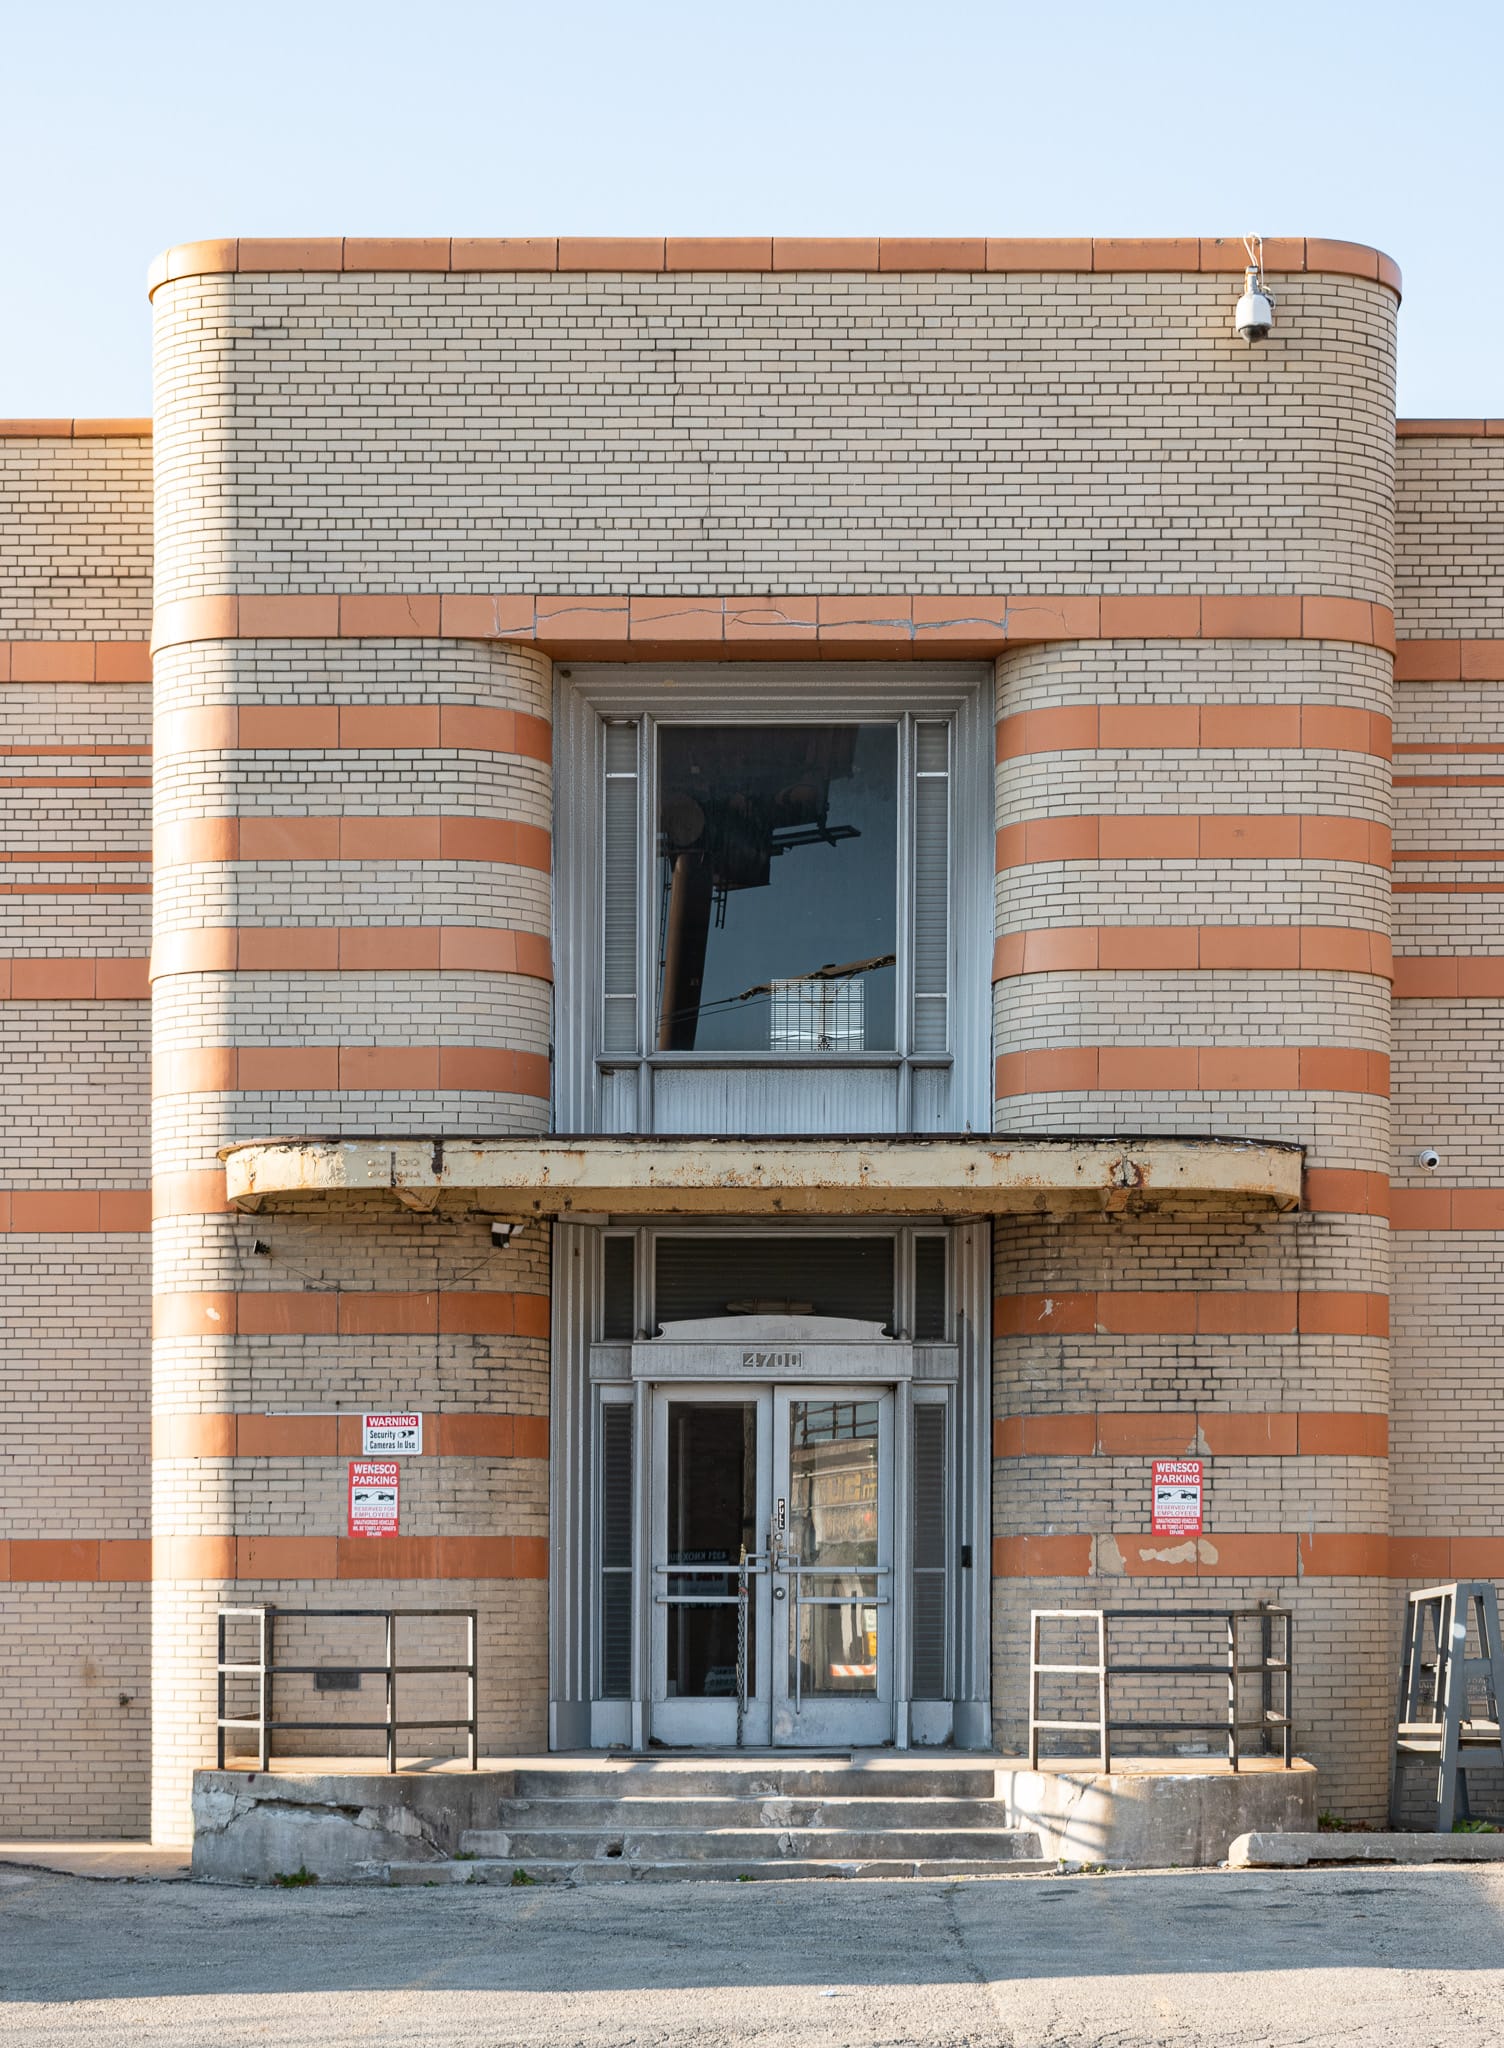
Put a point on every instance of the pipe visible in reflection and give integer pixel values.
(686, 939)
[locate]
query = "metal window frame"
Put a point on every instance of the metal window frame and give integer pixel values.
(589, 695)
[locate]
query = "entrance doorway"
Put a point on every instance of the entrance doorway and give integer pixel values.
(770, 1493)
(773, 1583)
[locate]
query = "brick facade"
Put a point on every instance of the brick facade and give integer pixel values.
(1241, 878)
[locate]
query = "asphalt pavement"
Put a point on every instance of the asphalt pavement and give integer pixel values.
(1351, 1956)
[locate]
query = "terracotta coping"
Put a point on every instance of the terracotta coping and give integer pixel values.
(74, 430)
(1449, 430)
(764, 253)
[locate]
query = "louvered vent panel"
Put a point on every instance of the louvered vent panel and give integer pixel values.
(931, 885)
(618, 1317)
(929, 1552)
(616, 1551)
(619, 890)
(930, 1320)
(830, 1276)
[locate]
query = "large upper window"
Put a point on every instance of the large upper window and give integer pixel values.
(777, 888)
(773, 899)
(798, 889)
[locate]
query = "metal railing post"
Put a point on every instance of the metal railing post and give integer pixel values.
(1104, 1693)
(1234, 1733)
(391, 1691)
(265, 1693)
(219, 1746)
(472, 1637)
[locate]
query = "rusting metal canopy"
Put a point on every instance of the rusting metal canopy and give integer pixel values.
(738, 1176)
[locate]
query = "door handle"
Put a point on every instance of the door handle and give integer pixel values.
(780, 1593)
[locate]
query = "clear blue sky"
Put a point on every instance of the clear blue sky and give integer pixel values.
(130, 127)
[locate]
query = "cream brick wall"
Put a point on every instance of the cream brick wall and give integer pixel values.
(75, 564)
(1449, 566)
(74, 1104)
(1448, 1414)
(683, 433)
(75, 539)
(75, 1711)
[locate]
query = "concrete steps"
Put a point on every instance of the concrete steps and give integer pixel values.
(688, 1818)
(540, 1870)
(739, 1845)
(772, 1810)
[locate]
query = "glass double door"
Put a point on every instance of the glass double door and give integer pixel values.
(772, 1567)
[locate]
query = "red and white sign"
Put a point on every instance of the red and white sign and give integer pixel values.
(374, 1488)
(391, 1436)
(1177, 1496)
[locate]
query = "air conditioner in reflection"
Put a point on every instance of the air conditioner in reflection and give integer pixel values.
(818, 1013)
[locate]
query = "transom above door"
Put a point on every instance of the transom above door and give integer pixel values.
(774, 896)
(773, 1581)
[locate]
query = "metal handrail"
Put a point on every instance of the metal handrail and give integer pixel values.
(1270, 1721)
(266, 1670)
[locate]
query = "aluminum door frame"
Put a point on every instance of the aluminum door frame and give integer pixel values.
(841, 1721)
(707, 1723)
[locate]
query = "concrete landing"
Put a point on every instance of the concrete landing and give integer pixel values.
(599, 1818)
(1306, 1852)
(1158, 1813)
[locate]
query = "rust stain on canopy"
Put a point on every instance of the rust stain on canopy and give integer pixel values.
(945, 1176)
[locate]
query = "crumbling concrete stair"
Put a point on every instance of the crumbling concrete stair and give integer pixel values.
(646, 1821)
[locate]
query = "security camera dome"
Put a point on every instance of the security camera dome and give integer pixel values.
(1255, 316)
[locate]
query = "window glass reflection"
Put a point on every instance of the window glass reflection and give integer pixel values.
(777, 903)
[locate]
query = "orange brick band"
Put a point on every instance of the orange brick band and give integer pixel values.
(1345, 1191)
(1442, 976)
(363, 1313)
(206, 840)
(1221, 1312)
(1161, 948)
(1187, 1433)
(75, 782)
(102, 979)
(216, 1069)
(1449, 781)
(897, 626)
(1218, 255)
(75, 661)
(136, 1560)
(52, 856)
(1246, 1555)
(352, 949)
(1338, 1069)
(74, 1211)
(1178, 836)
(1074, 728)
(339, 1436)
(1449, 661)
(1447, 1209)
(474, 728)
